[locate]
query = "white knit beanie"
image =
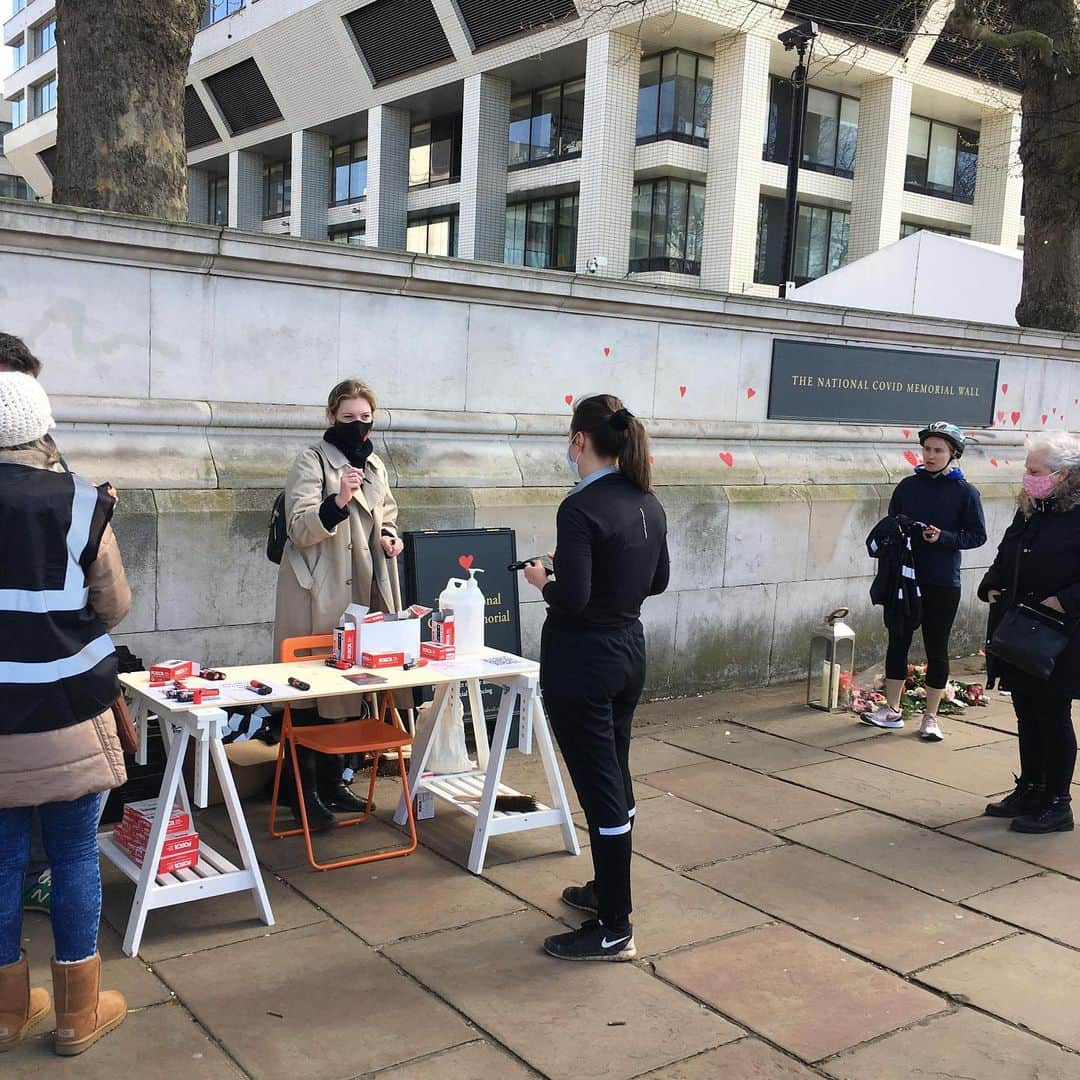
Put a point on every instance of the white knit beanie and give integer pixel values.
(25, 413)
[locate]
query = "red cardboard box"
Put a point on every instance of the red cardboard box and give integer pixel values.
(173, 845)
(139, 816)
(382, 660)
(435, 651)
(166, 670)
(345, 644)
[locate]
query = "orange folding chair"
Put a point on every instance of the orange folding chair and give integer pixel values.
(373, 737)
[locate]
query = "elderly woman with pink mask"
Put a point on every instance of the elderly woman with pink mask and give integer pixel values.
(1038, 564)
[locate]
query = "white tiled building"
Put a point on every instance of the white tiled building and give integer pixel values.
(608, 136)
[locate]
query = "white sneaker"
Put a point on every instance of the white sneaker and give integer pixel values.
(930, 730)
(884, 716)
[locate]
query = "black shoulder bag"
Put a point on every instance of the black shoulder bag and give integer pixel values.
(1030, 638)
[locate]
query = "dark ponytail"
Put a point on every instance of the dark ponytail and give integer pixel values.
(615, 432)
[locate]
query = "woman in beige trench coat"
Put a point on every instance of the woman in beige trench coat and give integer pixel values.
(342, 548)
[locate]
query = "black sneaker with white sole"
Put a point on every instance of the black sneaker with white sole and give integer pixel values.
(593, 941)
(582, 897)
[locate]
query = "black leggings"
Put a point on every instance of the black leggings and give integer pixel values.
(1047, 737)
(939, 607)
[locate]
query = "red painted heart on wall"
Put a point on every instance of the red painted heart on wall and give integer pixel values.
(994, 462)
(911, 457)
(607, 350)
(682, 391)
(727, 459)
(1045, 418)
(569, 399)
(1004, 387)
(1015, 418)
(1001, 416)
(465, 562)
(907, 432)
(750, 393)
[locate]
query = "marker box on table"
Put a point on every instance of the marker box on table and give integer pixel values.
(433, 650)
(138, 818)
(373, 661)
(166, 670)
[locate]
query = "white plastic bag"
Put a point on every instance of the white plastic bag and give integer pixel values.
(448, 752)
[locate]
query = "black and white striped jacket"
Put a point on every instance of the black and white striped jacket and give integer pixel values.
(895, 586)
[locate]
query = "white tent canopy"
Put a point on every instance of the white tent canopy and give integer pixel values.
(927, 274)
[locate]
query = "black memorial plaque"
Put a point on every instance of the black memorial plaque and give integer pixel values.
(432, 558)
(816, 380)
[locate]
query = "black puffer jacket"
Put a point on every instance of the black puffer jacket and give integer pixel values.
(1045, 537)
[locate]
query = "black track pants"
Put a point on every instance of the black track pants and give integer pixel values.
(591, 681)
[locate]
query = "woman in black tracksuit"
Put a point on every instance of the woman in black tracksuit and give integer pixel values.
(946, 517)
(611, 553)
(1038, 564)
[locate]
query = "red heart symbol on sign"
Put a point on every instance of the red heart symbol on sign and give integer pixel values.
(993, 461)
(465, 562)
(652, 460)
(1001, 416)
(1045, 418)
(911, 457)
(750, 393)
(682, 391)
(1004, 387)
(607, 350)
(907, 432)
(1015, 418)
(569, 399)
(727, 459)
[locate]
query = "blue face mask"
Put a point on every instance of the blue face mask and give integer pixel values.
(572, 463)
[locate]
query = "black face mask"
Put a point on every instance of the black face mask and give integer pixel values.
(350, 435)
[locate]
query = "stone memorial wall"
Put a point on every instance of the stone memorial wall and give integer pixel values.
(189, 364)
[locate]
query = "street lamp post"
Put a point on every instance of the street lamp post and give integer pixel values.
(801, 39)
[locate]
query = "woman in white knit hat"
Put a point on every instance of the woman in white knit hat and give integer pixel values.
(62, 587)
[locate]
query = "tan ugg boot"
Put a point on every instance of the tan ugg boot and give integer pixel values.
(20, 1006)
(83, 1011)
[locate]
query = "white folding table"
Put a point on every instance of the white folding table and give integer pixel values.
(473, 792)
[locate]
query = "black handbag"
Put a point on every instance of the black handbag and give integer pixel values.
(1030, 638)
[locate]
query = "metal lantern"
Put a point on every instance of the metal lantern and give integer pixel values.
(832, 664)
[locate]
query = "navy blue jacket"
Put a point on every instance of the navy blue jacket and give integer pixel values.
(948, 501)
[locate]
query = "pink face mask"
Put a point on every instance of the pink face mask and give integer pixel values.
(1040, 487)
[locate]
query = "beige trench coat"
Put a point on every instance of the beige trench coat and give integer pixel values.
(323, 572)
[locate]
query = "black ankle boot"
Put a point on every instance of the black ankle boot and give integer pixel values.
(333, 790)
(1055, 816)
(319, 816)
(1025, 798)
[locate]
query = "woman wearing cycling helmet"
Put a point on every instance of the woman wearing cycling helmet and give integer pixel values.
(947, 517)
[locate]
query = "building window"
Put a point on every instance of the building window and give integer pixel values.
(433, 236)
(45, 97)
(18, 54)
(348, 173)
(17, 6)
(18, 111)
(675, 98)
(277, 194)
(44, 37)
(666, 226)
(830, 133)
(941, 160)
(218, 202)
(907, 228)
(821, 240)
(15, 187)
(349, 234)
(216, 10)
(546, 125)
(435, 152)
(542, 233)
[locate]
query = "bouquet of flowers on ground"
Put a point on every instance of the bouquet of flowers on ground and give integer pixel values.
(958, 695)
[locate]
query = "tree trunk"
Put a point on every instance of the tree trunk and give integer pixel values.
(1050, 153)
(121, 70)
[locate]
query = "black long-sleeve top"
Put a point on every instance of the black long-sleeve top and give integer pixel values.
(611, 552)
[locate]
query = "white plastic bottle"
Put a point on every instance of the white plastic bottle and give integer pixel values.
(466, 601)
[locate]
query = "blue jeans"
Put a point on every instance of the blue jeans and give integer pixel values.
(70, 832)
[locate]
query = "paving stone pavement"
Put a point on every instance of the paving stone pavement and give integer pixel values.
(814, 899)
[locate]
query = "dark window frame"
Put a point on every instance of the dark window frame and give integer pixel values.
(277, 187)
(454, 176)
(963, 135)
(678, 136)
(667, 263)
(217, 11)
(37, 32)
(454, 220)
(772, 151)
(215, 186)
(19, 53)
(760, 277)
(556, 224)
(559, 155)
(352, 145)
(36, 92)
(340, 234)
